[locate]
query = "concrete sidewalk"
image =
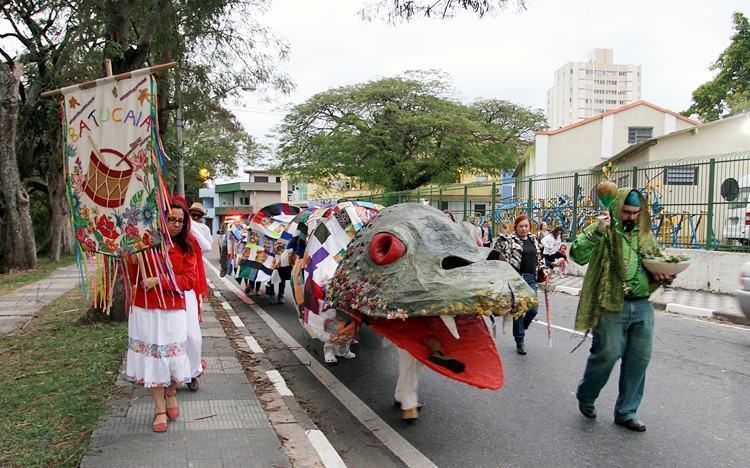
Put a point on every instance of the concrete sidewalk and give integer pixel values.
(19, 307)
(220, 425)
(679, 301)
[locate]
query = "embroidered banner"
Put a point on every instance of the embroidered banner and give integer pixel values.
(114, 183)
(114, 166)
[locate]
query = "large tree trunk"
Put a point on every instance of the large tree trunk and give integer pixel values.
(19, 248)
(58, 204)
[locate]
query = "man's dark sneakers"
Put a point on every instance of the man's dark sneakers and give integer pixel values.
(520, 348)
(587, 410)
(634, 424)
(193, 385)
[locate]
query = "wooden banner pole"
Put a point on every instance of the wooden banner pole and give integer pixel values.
(121, 76)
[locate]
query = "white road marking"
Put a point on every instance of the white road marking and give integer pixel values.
(326, 452)
(278, 382)
(367, 417)
(253, 344)
(217, 294)
(237, 321)
(557, 327)
(568, 290)
(226, 305)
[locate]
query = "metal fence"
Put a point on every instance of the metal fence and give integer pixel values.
(697, 203)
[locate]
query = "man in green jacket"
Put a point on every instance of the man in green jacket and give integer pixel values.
(614, 304)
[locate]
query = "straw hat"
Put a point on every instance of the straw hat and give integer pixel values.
(197, 206)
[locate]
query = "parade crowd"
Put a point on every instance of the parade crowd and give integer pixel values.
(280, 244)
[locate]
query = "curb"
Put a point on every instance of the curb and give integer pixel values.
(676, 308)
(303, 442)
(735, 319)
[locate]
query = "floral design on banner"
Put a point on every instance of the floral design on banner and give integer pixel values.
(111, 163)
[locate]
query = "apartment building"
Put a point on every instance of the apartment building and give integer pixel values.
(584, 89)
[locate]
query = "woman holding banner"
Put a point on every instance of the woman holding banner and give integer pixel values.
(157, 326)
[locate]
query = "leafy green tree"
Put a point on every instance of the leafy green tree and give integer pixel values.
(395, 133)
(729, 92)
(519, 122)
(60, 42)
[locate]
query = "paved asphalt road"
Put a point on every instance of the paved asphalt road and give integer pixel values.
(695, 406)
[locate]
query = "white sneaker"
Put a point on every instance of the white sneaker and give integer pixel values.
(329, 357)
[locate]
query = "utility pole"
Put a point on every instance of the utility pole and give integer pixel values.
(178, 136)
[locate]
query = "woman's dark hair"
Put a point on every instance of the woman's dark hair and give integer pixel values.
(183, 237)
(557, 230)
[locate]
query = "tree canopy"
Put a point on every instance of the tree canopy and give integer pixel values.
(61, 42)
(406, 10)
(394, 133)
(729, 92)
(520, 122)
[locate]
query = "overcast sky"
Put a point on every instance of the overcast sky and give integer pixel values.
(510, 56)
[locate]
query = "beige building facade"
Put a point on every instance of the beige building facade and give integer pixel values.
(588, 143)
(728, 135)
(584, 89)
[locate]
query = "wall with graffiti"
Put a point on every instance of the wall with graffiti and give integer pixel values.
(695, 203)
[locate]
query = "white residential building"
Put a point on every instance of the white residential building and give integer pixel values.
(585, 144)
(584, 89)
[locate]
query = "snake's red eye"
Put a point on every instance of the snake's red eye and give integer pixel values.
(386, 248)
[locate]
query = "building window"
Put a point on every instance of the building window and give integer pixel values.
(480, 208)
(244, 201)
(623, 73)
(260, 178)
(681, 175)
(636, 134)
(443, 205)
(623, 180)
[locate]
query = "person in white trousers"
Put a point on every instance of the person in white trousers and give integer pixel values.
(202, 235)
(407, 385)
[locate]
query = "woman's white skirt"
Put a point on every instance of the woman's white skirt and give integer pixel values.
(156, 347)
(194, 337)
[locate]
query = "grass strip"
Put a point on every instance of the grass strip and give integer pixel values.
(9, 282)
(57, 380)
